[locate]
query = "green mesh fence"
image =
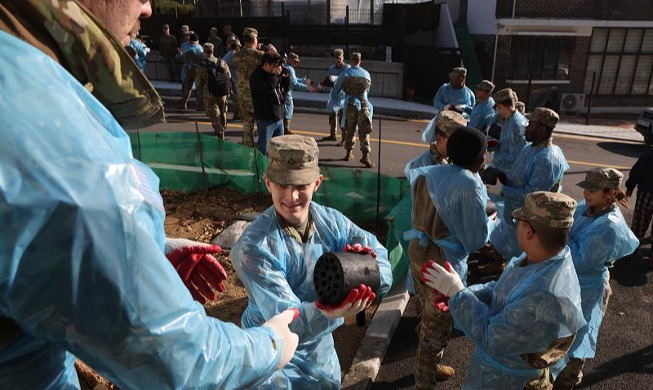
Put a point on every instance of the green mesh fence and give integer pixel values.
(191, 162)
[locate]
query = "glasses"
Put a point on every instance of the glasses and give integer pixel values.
(515, 220)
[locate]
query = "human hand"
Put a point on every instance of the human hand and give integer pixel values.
(444, 280)
(280, 325)
(358, 248)
(494, 188)
(356, 301)
(200, 272)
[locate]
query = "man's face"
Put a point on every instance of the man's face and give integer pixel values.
(339, 61)
(532, 131)
(120, 16)
(457, 81)
(292, 201)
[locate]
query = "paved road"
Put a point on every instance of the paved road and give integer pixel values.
(625, 351)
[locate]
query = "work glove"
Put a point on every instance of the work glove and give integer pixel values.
(280, 325)
(444, 280)
(494, 188)
(357, 300)
(441, 302)
(200, 272)
(358, 248)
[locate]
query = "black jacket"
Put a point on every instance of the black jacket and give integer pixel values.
(641, 174)
(266, 97)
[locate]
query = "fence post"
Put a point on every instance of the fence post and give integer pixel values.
(589, 104)
(328, 12)
(371, 12)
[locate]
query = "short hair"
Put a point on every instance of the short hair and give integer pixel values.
(551, 238)
(271, 58)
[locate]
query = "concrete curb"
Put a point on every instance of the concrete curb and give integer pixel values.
(368, 359)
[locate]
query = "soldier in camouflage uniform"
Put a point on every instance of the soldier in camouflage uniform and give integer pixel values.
(215, 106)
(192, 54)
(332, 74)
(246, 60)
(525, 321)
(168, 50)
(356, 83)
(448, 221)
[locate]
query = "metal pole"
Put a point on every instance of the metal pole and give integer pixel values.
(138, 141)
(347, 29)
(589, 104)
(199, 148)
(258, 178)
(378, 181)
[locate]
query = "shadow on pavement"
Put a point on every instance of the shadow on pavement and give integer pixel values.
(624, 149)
(640, 362)
(631, 271)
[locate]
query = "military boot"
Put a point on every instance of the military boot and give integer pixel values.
(349, 156)
(219, 130)
(366, 160)
(444, 372)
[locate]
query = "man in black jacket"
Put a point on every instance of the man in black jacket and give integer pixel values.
(641, 176)
(267, 99)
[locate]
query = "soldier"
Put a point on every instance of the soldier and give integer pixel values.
(513, 127)
(598, 238)
(447, 122)
(356, 83)
(216, 41)
(454, 94)
(233, 45)
(293, 84)
(192, 54)
(483, 113)
(539, 166)
(525, 321)
(334, 115)
(246, 61)
(168, 49)
(449, 222)
(215, 102)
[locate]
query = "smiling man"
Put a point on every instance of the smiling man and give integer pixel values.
(276, 256)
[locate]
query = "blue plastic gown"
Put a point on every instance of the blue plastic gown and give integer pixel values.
(189, 47)
(483, 115)
(277, 271)
(82, 268)
(338, 98)
(447, 94)
(511, 142)
(229, 59)
(523, 312)
(336, 102)
(295, 84)
(141, 53)
(596, 242)
(536, 169)
(459, 196)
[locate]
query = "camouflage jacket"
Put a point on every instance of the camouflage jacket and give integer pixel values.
(246, 60)
(66, 32)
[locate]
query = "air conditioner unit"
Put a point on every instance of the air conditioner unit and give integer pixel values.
(572, 102)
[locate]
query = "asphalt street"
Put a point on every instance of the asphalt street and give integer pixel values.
(625, 349)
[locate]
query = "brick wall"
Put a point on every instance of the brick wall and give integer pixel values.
(577, 9)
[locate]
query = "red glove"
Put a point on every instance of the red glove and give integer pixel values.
(357, 300)
(200, 272)
(358, 248)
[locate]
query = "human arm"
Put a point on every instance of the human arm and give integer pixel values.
(297, 84)
(541, 170)
(637, 172)
(438, 98)
(106, 293)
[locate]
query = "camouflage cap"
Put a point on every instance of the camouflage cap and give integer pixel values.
(208, 46)
(250, 32)
(355, 56)
(293, 56)
(550, 209)
(450, 121)
(293, 160)
(600, 178)
(338, 53)
(505, 94)
(486, 85)
(545, 116)
(459, 71)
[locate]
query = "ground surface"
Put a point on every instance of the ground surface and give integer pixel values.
(201, 217)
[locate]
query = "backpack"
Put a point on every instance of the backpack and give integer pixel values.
(218, 81)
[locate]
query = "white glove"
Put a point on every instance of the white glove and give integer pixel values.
(445, 281)
(279, 324)
(356, 301)
(494, 188)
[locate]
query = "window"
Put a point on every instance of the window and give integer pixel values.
(620, 61)
(540, 58)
